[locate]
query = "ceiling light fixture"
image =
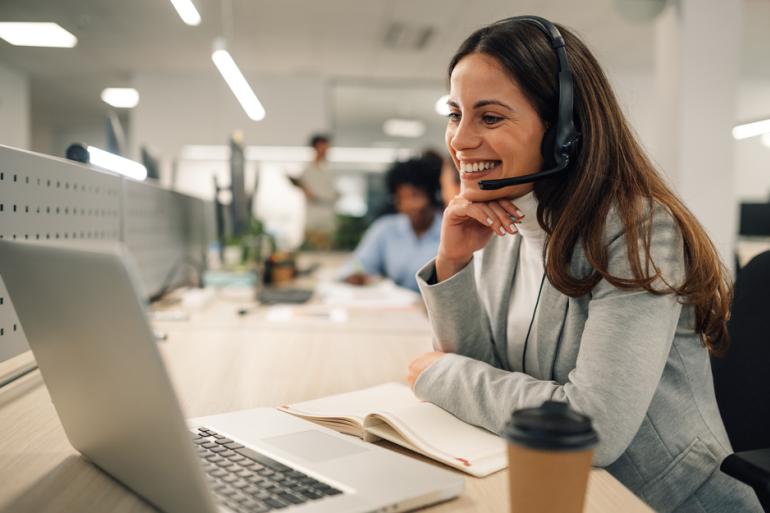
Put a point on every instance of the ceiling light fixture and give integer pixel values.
(746, 130)
(403, 127)
(49, 35)
(187, 11)
(121, 97)
(237, 82)
(442, 106)
(337, 154)
(116, 163)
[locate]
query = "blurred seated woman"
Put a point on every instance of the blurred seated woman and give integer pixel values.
(397, 245)
(450, 181)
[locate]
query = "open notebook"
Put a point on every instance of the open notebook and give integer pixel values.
(392, 412)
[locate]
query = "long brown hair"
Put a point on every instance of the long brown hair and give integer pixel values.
(611, 171)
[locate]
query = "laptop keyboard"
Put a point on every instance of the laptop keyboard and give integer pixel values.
(247, 481)
(272, 296)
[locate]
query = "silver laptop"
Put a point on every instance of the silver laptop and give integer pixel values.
(87, 327)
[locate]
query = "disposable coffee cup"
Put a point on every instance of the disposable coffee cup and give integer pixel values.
(549, 458)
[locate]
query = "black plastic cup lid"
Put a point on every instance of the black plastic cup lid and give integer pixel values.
(551, 426)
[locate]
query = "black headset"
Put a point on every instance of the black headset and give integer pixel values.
(560, 140)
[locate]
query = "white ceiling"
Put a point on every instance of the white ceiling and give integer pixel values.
(341, 40)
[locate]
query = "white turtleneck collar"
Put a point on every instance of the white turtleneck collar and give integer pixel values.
(529, 227)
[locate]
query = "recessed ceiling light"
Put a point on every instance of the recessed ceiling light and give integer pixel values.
(121, 97)
(442, 107)
(187, 11)
(403, 127)
(752, 129)
(36, 34)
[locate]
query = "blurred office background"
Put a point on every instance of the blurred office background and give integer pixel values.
(686, 72)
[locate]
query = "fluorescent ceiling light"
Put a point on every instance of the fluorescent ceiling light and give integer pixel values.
(442, 107)
(279, 153)
(367, 155)
(254, 153)
(296, 154)
(116, 163)
(121, 97)
(238, 84)
(37, 34)
(766, 140)
(403, 128)
(747, 130)
(214, 152)
(187, 11)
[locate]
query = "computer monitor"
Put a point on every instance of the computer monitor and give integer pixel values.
(755, 219)
(150, 163)
(116, 136)
(219, 213)
(239, 204)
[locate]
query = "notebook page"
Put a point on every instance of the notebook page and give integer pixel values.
(383, 294)
(354, 406)
(442, 436)
(414, 424)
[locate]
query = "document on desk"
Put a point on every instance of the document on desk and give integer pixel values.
(383, 294)
(392, 412)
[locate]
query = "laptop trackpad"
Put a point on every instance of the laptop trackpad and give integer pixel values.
(314, 445)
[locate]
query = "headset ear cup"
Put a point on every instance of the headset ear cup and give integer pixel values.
(548, 147)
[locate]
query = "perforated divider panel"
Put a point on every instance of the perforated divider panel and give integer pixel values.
(12, 340)
(54, 200)
(45, 198)
(166, 232)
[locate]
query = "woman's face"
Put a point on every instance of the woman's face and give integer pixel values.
(414, 202)
(493, 130)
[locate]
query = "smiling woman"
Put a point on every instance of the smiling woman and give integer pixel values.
(486, 106)
(595, 286)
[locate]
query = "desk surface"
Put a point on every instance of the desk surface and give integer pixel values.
(221, 362)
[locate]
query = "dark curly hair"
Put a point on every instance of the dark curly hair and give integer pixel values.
(422, 173)
(318, 138)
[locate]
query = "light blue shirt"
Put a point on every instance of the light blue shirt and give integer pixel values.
(390, 248)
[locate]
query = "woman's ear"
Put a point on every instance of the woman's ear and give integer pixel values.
(547, 146)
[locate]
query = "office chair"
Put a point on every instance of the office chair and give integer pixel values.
(741, 380)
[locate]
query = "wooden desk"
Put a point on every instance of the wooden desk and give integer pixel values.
(218, 370)
(221, 312)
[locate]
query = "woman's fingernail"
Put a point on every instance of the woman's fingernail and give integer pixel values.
(502, 230)
(519, 213)
(489, 220)
(513, 228)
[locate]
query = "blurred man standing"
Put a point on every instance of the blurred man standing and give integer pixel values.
(318, 184)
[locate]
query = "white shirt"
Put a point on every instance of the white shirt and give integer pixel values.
(319, 212)
(527, 279)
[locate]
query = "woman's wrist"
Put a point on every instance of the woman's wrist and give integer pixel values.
(448, 267)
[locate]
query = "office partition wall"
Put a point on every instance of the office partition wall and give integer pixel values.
(51, 200)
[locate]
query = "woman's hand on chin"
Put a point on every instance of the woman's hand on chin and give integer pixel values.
(467, 226)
